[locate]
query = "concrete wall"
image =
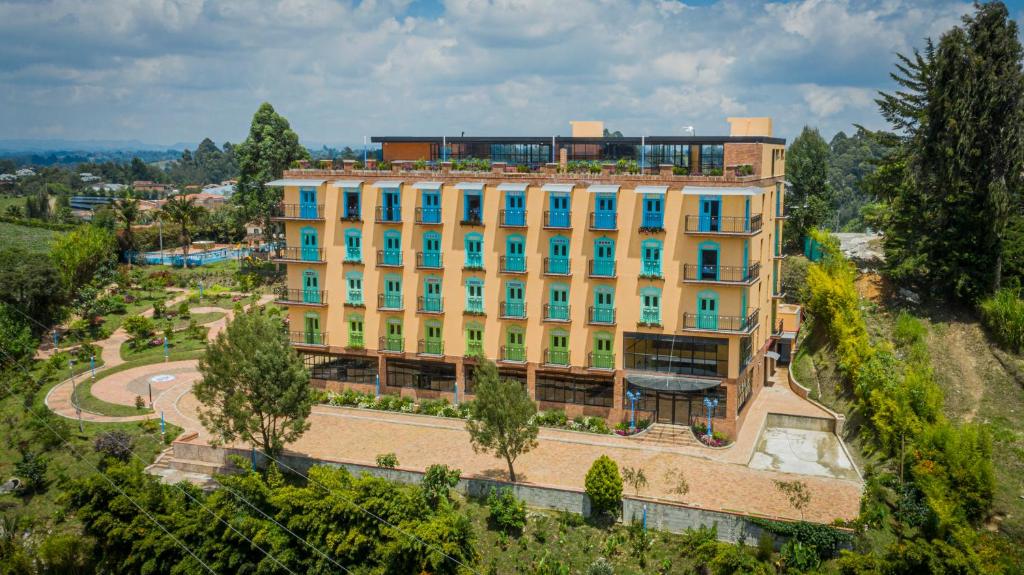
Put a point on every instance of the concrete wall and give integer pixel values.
(801, 422)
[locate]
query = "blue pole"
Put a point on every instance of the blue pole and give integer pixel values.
(456, 393)
(56, 341)
(253, 455)
(645, 517)
(378, 385)
(166, 353)
(92, 365)
(163, 424)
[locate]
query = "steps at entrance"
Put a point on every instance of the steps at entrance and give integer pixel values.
(183, 462)
(667, 435)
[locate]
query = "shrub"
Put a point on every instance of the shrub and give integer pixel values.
(551, 418)
(600, 566)
(438, 482)
(139, 402)
(604, 486)
(114, 444)
(506, 512)
(387, 460)
(32, 472)
(139, 328)
(183, 311)
(159, 308)
(1003, 317)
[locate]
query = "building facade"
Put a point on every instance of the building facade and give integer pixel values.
(583, 280)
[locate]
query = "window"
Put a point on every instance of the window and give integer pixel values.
(431, 255)
(390, 209)
(311, 287)
(604, 217)
(308, 208)
(744, 389)
(567, 389)
(474, 339)
(712, 159)
(603, 264)
(746, 351)
(475, 296)
(515, 254)
(432, 301)
(392, 296)
(355, 332)
(394, 340)
(430, 211)
(676, 154)
(310, 250)
(676, 354)
(558, 256)
(352, 207)
(653, 212)
(604, 305)
(558, 215)
(473, 206)
(650, 306)
(558, 303)
(515, 346)
(433, 343)
(650, 250)
(353, 245)
(474, 251)
(391, 255)
(514, 304)
(601, 356)
(341, 368)
(354, 291)
(515, 154)
(514, 213)
(431, 375)
(557, 352)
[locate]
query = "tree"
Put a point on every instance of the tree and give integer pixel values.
(269, 150)
(16, 339)
(31, 282)
(635, 478)
(139, 327)
(82, 254)
(127, 211)
(797, 493)
(604, 486)
(959, 112)
(184, 212)
(501, 417)
(809, 201)
(438, 482)
(254, 386)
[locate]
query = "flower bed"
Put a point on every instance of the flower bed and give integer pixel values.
(624, 430)
(716, 439)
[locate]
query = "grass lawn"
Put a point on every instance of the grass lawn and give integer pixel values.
(201, 319)
(181, 347)
(90, 403)
(31, 239)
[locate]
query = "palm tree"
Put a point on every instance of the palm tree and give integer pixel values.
(184, 212)
(127, 210)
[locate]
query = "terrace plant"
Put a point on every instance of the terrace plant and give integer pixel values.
(604, 486)
(139, 328)
(502, 417)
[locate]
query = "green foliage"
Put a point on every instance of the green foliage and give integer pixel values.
(32, 472)
(16, 338)
(114, 444)
(255, 387)
(183, 212)
(851, 160)
(796, 492)
(387, 460)
(83, 254)
(603, 485)
(809, 201)
(635, 478)
(437, 483)
(506, 512)
(32, 282)
(140, 328)
(502, 416)
(1003, 316)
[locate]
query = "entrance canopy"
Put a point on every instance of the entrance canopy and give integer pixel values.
(669, 382)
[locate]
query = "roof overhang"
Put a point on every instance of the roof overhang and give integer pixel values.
(513, 186)
(387, 184)
(433, 186)
(660, 190)
(566, 188)
(603, 189)
(347, 183)
(772, 355)
(294, 182)
(472, 186)
(653, 381)
(721, 191)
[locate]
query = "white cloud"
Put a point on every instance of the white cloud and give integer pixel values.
(825, 101)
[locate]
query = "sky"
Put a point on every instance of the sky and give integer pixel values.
(169, 71)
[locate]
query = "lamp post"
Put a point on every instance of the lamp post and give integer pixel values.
(74, 396)
(378, 386)
(710, 404)
(633, 397)
(160, 226)
(200, 291)
(92, 366)
(166, 352)
(56, 342)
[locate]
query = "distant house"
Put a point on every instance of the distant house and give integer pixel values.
(108, 187)
(225, 189)
(88, 177)
(25, 173)
(89, 202)
(8, 178)
(150, 186)
(208, 201)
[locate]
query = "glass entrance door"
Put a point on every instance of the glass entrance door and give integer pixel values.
(665, 408)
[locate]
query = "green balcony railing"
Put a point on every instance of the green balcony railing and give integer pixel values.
(513, 353)
(556, 356)
(650, 316)
(601, 360)
(430, 347)
(392, 343)
(355, 340)
(650, 268)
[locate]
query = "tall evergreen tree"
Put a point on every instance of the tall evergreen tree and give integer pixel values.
(960, 112)
(264, 156)
(809, 203)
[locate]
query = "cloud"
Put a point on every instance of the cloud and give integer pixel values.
(179, 70)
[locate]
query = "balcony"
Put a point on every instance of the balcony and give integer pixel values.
(430, 304)
(351, 213)
(600, 360)
(741, 275)
(428, 216)
(606, 221)
(474, 349)
(297, 212)
(513, 265)
(475, 305)
(473, 218)
(308, 297)
(650, 317)
(428, 261)
(601, 315)
(557, 219)
(781, 212)
(430, 347)
(310, 338)
(513, 310)
(299, 254)
(353, 255)
(601, 268)
(354, 298)
(556, 312)
(650, 269)
(356, 341)
(512, 354)
(389, 301)
(389, 258)
(724, 225)
(514, 218)
(386, 215)
(391, 343)
(556, 357)
(474, 261)
(652, 223)
(557, 266)
(721, 323)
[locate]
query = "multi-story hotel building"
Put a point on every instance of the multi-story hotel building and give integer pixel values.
(585, 266)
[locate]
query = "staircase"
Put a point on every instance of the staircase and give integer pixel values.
(183, 462)
(667, 435)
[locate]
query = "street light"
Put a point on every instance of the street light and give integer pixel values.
(710, 404)
(633, 397)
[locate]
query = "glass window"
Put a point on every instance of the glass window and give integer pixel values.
(475, 295)
(567, 389)
(354, 291)
(435, 376)
(675, 154)
(650, 306)
(650, 251)
(529, 154)
(676, 354)
(353, 245)
(341, 368)
(474, 251)
(712, 159)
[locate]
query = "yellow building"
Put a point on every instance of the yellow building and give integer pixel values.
(583, 266)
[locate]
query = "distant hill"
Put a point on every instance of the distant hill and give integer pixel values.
(17, 146)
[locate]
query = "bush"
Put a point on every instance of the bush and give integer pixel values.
(387, 460)
(1003, 317)
(32, 472)
(604, 486)
(600, 566)
(139, 328)
(438, 482)
(506, 512)
(552, 418)
(114, 444)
